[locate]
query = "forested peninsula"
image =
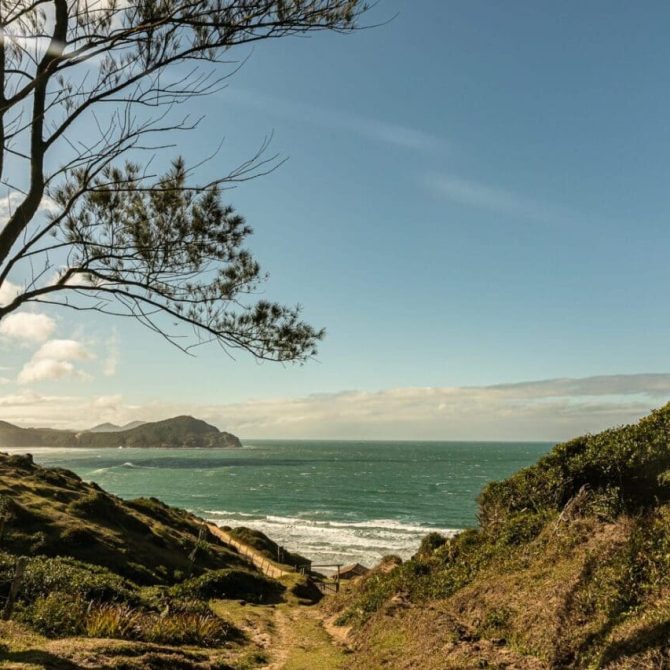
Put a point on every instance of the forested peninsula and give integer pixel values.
(179, 432)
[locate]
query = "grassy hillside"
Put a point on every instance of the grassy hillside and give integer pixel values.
(569, 568)
(51, 511)
(117, 584)
(180, 432)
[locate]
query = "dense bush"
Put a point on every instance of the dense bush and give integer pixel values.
(628, 463)
(229, 583)
(44, 576)
(56, 615)
(429, 544)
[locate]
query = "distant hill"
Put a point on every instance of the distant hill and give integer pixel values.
(113, 428)
(178, 432)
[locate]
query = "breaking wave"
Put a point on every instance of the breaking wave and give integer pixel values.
(328, 541)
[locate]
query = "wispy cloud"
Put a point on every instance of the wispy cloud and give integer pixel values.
(111, 361)
(498, 200)
(374, 129)
(545, 409)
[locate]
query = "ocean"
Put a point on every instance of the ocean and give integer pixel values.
(334, 502)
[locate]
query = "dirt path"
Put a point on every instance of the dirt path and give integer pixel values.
(294, 637)
(261, 562)
(302, 642)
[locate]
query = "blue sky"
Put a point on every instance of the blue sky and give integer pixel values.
(475, 194)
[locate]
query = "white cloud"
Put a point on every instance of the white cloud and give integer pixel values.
(497, 200)
(71, 350)
(78, 279)
(10, 200)
(536, 410)
(53, 360)
(27, 326)
(8, 292)
(35, 371)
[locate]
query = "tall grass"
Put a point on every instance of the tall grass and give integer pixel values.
(121, 621)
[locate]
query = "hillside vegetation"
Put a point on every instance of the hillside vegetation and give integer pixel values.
(51, 511)
(178, 432)
(118, 584)
(569, 568)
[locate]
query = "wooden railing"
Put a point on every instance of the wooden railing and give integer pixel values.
(265, 565)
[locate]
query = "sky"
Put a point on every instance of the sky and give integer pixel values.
(474, 205)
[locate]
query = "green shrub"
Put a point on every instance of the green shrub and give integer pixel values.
(306, 589)
(429, 544)
(521, 527)
(229, 583)
(56, 615)
(68, 576)
(628, 465)
(100, 506)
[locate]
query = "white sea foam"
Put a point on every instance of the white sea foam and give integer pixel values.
(334, 541)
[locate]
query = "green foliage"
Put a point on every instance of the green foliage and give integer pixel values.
(56, 615)
(231, 584)
(44, 576)
(628, 465)
(184, 256)
(429, 544)
(495, 623)
(521, 527)
(205, 630)
(175, 628)
(305, 589)
(115, 621)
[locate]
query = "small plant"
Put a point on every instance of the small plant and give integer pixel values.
(496, 622)
(115, 621)
(205, 630)
(252, 660)
(175, 628)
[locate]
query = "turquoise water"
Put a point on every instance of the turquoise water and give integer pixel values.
(332, 501)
